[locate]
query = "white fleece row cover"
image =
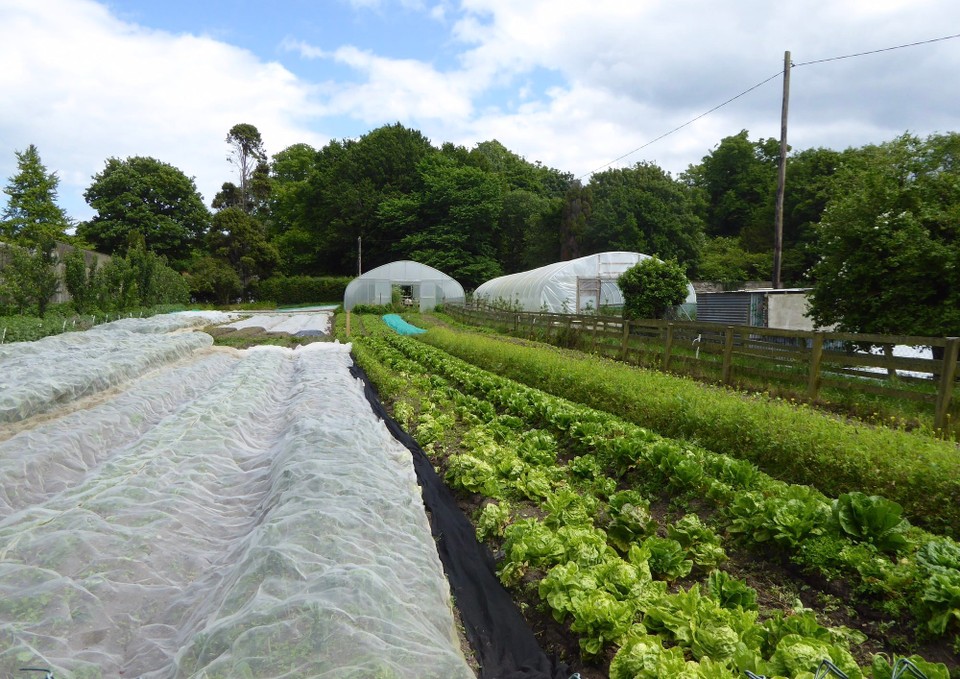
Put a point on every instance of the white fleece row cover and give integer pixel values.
(292, 323)
(224, 514)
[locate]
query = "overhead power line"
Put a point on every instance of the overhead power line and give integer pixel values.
(884, 49)
(680, 127)
(761, 83)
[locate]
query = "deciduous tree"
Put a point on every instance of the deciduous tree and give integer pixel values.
(457, 213)
(240, 240)
(740, 180)
(29, 279)
(149, 196)
(352, 180)
(643, 209)
(249, 157)
(889, 241)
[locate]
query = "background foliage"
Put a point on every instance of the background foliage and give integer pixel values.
(873, 230)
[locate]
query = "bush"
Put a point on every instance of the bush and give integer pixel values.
(302, 289)
(651, 287)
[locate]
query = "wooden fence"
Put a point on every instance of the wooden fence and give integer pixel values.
(806, 361)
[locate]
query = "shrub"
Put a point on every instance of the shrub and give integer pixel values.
(651, 287)
(302, 289)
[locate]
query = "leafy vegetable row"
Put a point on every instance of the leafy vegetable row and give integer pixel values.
(792, 443)
(595, 552)
(859, 537)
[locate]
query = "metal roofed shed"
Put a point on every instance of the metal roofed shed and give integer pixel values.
(584, 284)
(424, 284)
(784, 308)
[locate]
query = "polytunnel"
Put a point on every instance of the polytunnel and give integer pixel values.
(419, 283)
(576, 285)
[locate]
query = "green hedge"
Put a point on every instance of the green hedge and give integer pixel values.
(303, 289)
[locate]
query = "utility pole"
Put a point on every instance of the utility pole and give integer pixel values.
(359, 255)
(781, 174)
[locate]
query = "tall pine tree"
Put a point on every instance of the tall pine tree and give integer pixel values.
(32, 217)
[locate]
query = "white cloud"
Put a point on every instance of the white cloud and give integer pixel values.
(84, 86)
(572, 84)
(393, 89)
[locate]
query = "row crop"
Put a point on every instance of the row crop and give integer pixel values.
(792, 442)
(595, 554)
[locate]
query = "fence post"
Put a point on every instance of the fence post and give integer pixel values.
(816, 356)
(947, 376)
(668, 347)
(727, 354)
(624, 340)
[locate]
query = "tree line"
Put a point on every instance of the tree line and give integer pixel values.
(873, 230)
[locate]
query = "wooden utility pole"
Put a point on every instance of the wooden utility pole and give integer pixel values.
(781, 174)
(359, 256)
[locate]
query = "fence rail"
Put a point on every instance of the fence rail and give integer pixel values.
(733, 354)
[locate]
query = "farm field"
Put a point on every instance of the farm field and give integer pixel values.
(640, 555)
(170, 508)
(173, 509)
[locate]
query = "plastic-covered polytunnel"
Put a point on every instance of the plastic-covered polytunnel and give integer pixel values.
(583, 284)
(419, 283)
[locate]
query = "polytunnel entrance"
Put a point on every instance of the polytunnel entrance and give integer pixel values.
(424, 287)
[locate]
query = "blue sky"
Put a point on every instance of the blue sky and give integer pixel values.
(572, 84)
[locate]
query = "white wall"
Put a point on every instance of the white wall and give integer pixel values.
(788, 311)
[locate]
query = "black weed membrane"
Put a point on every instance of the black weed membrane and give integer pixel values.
(505, 645)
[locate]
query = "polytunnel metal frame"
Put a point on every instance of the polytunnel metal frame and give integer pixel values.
(572, 286)
(429, 286)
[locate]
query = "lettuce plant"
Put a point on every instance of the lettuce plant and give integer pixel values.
(493, 520)
(787, 519)
(642, 656)
(901, 668)
(568, 508)
(796, 655)
(474, 475)
(701, 543)
(528, 543)
(940, 555)
(871, 519)
(668, 559)
(730, 592)
(941, 596)
(695, 622)
(598, 616)
(630, 520)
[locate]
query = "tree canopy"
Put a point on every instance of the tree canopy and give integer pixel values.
(876, 223)
(739, 178)
(643, 209)
(148, 196)
(248, 156)
(889, 240)
(241, 241)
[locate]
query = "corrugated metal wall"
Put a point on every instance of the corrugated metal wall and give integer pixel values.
(729, 308)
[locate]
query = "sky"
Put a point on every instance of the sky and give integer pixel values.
(574, 84)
